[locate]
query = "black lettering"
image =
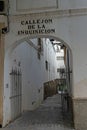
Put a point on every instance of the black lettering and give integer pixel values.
(22, 31)
(31, 26)
(50, 21)
(26, 31)
(38, 21)
(30, 32)
(48, 31)
(42, 21)
(43, 26)
(26, 22)
(52, 30)
(41, 31)
(18, 32)
(22, 22)
(34, 22)
(35, 31)
(29, 22)
(38, 26)
(46, 21)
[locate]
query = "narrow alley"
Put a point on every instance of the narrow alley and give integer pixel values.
(47, 117)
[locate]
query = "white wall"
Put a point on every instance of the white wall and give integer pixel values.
(25, 6)
(50, 56)
(79, 38)
(34, 74)
(29, 4)
(72, 30)
(72, 4)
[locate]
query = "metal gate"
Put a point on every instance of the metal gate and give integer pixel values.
(15, 93)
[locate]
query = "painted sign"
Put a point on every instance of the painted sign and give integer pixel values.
(36, 26)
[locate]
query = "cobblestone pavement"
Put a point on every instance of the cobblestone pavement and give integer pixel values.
(47, 117)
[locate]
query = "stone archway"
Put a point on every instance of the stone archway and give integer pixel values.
(8, 54)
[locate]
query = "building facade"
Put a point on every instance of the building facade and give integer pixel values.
(62, 20)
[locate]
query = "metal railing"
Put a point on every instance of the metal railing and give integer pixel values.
(15, 92)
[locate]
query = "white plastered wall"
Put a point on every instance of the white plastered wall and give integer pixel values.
(72, 30)
(20, 6)
(69, 30)
(34, 73)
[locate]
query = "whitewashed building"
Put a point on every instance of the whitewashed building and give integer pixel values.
(22, 22)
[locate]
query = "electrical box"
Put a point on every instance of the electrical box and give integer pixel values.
(3, 7)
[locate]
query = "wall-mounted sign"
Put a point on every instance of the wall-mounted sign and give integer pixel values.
(36, 26)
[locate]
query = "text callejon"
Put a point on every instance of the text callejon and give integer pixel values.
(38, 26)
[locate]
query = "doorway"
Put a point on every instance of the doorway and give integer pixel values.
(38, 68)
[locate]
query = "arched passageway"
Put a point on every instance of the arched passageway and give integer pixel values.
(35, 69)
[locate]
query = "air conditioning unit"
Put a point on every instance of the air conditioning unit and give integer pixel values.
(3, 7)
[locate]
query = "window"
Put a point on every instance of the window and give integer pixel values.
(46, 64)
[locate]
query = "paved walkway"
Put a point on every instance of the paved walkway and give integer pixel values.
(47, 117)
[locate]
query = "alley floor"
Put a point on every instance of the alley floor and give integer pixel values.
(47, 117)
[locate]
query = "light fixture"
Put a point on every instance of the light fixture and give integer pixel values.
(56, 42)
